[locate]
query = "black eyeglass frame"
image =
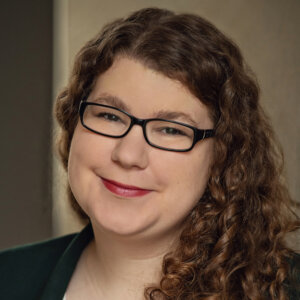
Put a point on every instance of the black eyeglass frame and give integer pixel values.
(199, 134)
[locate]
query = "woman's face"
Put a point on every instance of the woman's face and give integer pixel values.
(173, 181)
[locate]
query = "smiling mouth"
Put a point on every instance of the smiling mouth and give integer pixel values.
(124, 190)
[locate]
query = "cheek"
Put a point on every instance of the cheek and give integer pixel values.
(79, 154)
(187, 175)
(87, 151)
(184, 181)
(76, 167)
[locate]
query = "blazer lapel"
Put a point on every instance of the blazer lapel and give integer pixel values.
(59, 279)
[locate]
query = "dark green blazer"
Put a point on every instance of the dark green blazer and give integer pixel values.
(42, 271)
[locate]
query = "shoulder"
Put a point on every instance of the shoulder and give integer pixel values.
(20, 267)
(293, 282)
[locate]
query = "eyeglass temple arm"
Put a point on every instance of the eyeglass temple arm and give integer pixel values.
(208, 133)
(203, 134)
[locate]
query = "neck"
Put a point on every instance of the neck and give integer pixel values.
(127, 262)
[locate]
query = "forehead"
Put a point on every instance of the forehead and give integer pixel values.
(145, 91)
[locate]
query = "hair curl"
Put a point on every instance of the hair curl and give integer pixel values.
(232, 244)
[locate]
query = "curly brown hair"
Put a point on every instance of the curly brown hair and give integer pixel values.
(232, 245)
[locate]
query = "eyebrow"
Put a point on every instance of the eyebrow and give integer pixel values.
(111, 100)
(174, 115)
(161, 114)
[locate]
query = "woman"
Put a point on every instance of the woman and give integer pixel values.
(173, 164)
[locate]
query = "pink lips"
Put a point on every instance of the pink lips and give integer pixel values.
(124, 190)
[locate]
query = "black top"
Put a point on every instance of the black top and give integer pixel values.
(42, 271)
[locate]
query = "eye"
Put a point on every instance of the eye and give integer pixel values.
(109, 117)
(172, 131)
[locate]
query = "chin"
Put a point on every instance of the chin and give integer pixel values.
(123, 225)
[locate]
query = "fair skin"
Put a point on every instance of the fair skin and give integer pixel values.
(132, 234)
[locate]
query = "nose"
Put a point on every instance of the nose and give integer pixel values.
(131, 150)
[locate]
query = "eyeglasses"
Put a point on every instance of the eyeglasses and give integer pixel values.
(162, 134)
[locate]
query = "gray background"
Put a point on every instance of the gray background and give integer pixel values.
(32, 203)
(25, 121)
